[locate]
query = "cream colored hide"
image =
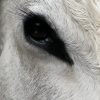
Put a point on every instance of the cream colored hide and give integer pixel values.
(28, 72)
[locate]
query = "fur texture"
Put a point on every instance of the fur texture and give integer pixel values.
(29, 73)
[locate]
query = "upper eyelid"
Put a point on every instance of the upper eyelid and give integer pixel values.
(28, 13)
(23, 12)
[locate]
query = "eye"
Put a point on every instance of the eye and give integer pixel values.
(38, 32)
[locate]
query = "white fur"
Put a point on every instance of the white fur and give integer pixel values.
(29, 73)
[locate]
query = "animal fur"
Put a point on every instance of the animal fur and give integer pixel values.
(29, 73)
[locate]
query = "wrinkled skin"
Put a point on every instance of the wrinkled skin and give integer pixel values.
(28, 72)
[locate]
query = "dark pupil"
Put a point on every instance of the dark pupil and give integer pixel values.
(38, 31)
(36, 28)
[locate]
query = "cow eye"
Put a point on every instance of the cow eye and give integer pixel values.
(38, 32)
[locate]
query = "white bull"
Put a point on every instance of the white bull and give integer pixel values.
(49, 50)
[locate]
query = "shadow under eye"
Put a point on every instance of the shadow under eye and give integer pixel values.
(38, 32)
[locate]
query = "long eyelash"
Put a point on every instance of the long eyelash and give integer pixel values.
(23, 12)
